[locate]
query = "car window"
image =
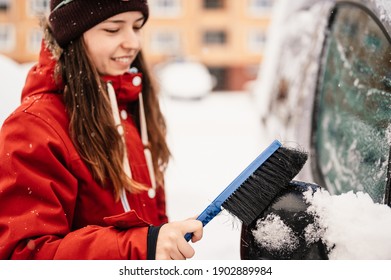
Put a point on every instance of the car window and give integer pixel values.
(351, 135)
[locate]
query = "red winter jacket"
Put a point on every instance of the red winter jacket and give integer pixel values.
(51, 207)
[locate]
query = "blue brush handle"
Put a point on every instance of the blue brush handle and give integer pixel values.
(215, 207)
(208, 214)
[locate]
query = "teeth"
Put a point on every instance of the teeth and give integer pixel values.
(123, 59)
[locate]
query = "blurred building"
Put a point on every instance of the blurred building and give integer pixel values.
(228, 36)
(20, 34)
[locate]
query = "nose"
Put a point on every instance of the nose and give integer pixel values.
(131, 39)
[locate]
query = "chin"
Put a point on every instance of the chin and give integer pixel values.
(116, 72)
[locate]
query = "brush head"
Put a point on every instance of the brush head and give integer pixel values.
(255, 194)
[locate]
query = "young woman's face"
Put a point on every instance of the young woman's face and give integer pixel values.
(114, 43)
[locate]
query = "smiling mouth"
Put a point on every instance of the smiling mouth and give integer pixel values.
(125, 59)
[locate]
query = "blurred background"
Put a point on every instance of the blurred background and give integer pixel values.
(226, 36)
(206, 55)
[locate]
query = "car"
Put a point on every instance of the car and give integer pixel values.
(325, 85)
(176, 79)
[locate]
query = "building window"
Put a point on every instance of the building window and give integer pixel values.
(38, 7)
(256, 41)
(215, 37)
(7, 37)
(213, 4)
(165, 8)
(166, 42)
(4, 5)
(34, 40)
(260, 8)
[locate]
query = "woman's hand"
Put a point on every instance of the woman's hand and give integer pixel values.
(171, 244)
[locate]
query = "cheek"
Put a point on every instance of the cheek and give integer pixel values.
(98, 50)
(100, 57)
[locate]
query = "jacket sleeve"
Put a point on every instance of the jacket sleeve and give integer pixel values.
(38, 195)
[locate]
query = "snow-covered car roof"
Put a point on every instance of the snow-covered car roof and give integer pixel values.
(185, 79)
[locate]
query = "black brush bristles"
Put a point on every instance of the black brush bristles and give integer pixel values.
(259, 190)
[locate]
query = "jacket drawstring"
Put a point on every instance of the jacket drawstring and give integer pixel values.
(147, 152)
(117, 122)
(144, 139)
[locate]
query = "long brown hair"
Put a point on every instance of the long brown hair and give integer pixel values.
(92, 127)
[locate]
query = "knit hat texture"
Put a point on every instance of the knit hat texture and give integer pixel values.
(71, 20)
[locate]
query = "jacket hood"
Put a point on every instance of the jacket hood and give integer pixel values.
(41, 79)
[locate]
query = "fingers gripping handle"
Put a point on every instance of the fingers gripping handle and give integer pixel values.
(205, 217)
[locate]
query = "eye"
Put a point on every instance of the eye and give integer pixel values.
(137, 27)
(111, 30)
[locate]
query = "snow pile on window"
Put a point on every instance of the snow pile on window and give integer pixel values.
(350, 225)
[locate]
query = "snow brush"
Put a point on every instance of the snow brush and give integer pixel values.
(249, 194)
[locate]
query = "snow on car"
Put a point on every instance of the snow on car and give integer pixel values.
(325, 87)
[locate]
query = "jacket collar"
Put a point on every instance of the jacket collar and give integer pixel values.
(127, 86)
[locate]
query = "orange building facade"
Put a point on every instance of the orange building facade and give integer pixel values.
(227, 36)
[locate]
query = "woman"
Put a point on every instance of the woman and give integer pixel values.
(82, 159)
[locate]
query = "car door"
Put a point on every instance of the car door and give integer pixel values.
(351, 133)
(349, 114)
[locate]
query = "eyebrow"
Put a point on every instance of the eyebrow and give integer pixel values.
(123, 21)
